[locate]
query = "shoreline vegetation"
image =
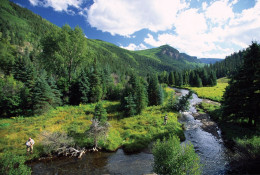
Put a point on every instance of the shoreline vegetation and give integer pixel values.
(132, 133)
(240, 139)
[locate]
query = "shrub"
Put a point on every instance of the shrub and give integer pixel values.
(170, 157)
(53, 141)
(12, 164)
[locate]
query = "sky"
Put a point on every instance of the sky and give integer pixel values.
(202, 28)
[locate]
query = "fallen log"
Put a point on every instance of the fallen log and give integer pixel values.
(70, 151)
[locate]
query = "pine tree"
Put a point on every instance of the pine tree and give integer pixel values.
(153, 91)
(171, 79)
(56, 93)
(141, 97)
(107, 81)
(242, 97)
(100, 113)
(41, 95)
(95, 85)
(192, 78)
(10, 97)
(84, 88)
(198, 81)
(212, 79)
(161, 95)
(24, 71)
(130, 108)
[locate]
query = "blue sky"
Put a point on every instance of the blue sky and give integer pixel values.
(202, 28)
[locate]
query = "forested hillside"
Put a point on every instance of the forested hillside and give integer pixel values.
(25, 29)
(44, 66)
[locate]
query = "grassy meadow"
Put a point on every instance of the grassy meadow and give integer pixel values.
(214, 93)
(131, 133)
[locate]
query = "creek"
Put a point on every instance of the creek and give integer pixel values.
(213, 154)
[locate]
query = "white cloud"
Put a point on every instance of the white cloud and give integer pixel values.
(219, 12)
(125, 17)
(132, 46)
(206, 39)
(190, 22)
(204, 5)
(58, 5)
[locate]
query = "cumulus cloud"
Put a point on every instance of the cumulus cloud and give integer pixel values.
(125, 17)
(204, 32)
(132, 46)
(215, 35)
(219, 12)
(58, 5)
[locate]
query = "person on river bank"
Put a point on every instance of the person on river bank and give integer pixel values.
(165, 119)
(29, 145)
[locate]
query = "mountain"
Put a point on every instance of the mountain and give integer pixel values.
(210, 60)
(168, 55)
(25, 30)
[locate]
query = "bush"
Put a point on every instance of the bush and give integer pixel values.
(170, 157)
(12, 164)
(53, 141)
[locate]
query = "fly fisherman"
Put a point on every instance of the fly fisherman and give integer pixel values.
(29, 145)
(165, 119)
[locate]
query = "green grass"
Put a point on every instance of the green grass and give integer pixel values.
(214, 93)
(133, 133)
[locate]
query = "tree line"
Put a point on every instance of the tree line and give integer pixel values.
(197, 78)
(62, 74)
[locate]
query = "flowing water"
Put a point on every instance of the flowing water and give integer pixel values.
(213, 154)
(211, 150)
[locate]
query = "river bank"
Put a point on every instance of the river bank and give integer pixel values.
(206, 143)
(242, 141)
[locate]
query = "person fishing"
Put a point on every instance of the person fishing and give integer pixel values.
(29, 145)
(165, 119)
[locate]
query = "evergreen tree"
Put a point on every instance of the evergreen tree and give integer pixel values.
(130, 107)
(10, 97)
(212, 79)
(153, 91)
(242, 97)
(198, 81)
(56, 93)
(107, 81)
(95, 84)
(171, 79)
(83, 87)
(100, 113)
(204, 77)
(192, 78)
(41, 95)
(141, 97)
(186, 78)
(161, 95)
(80, 89)
(7, 55)
(25, 71)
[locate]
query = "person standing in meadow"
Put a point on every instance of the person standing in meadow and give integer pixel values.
(165, 119)
(29, 145)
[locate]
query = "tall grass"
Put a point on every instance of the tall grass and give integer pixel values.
(214, 93)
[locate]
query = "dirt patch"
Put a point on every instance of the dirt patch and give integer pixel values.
(207, 124)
